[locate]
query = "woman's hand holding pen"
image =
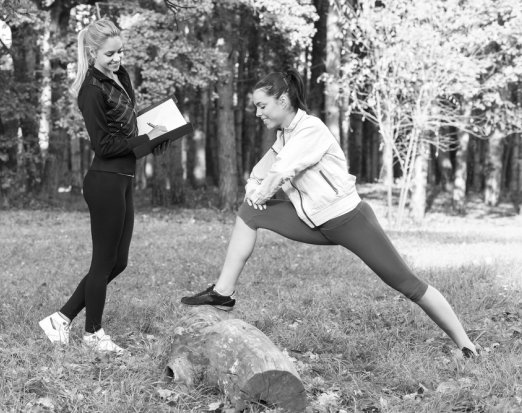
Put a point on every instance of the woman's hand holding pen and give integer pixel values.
(157, 130)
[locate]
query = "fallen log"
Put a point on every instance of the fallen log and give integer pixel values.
(213, 346)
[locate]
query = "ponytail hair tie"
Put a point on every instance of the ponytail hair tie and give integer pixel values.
(284, 75)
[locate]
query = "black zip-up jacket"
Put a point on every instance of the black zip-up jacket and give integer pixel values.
(110, 118)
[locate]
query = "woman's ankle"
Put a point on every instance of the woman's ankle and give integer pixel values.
(224, 291)
(67, 319)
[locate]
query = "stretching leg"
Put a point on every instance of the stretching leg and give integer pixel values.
(360, 232)
(280, 217)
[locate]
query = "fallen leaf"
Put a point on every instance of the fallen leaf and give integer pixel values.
(215, 406)
(45, 402)
(168, 395)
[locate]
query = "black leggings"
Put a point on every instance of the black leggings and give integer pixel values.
(109, 197)
(358, 230)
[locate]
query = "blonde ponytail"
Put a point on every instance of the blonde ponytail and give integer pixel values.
(82, 65)
(90, 40)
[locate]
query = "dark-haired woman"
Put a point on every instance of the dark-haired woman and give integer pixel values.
(324, 208)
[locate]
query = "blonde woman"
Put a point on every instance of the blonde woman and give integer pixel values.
(107, 102)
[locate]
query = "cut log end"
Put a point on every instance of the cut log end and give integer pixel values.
(274, 387)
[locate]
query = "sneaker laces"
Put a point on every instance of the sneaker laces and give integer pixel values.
(62, 324)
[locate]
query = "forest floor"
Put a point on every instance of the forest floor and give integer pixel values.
(357, 344)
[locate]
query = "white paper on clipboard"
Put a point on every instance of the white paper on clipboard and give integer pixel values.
(165, 114)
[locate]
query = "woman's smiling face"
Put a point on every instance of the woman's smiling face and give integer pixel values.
(269, 108)
(109, 55)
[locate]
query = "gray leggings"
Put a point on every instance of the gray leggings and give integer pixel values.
(358, 230)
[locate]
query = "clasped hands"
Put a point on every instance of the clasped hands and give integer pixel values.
(255, 205)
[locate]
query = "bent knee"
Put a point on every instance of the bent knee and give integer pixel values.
(248, 214)
(413, 289)
(118, 268)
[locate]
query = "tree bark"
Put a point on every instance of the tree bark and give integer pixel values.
(76, 165)
(515, 186)
(478, 164)
(45, 92)
(494, 168)
(516, 162)
(24, 53)
(420, 180)
(355, 139)
(345, 126)
(239, 112)
(386, 174)
(316, 97)
(445, 169)
(250, 122)
(461, 168)
(228, 182)
(168, 176)
(333, 62)
(196, 159)
(236, 357)
(211, 149)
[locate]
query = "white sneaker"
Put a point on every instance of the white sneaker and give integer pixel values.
(56, 328)
(100, 341)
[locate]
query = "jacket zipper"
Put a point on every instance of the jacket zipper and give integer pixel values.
(329, 182)
(302, 207)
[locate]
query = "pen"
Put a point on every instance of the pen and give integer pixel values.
(151, 125)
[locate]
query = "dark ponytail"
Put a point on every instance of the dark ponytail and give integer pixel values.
(277, 83)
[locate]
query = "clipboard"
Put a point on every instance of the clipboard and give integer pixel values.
(166, 113)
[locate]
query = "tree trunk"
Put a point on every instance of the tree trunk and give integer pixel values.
(355, 139)
(461, 171)
(420, 180)
(76, 165)
(516, 172)
(45, 92)
(56, 146)
(239, 112)
(196, 159)
(516, 162)
(236, 357)
(333, 62)
(478, 164)
(226, 137)
(494, 168)
(168, 178)
(24, 53)
(446, 169)
(345, 126)
(211, 149)
(316, 97)
(250, 123)
(386, 174)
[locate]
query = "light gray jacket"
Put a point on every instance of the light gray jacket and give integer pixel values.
(309, 165)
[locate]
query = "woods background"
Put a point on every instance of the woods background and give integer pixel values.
(424, 97)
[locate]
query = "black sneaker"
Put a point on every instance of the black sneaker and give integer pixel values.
(210, 297)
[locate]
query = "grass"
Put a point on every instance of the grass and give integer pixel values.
(358, 345)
